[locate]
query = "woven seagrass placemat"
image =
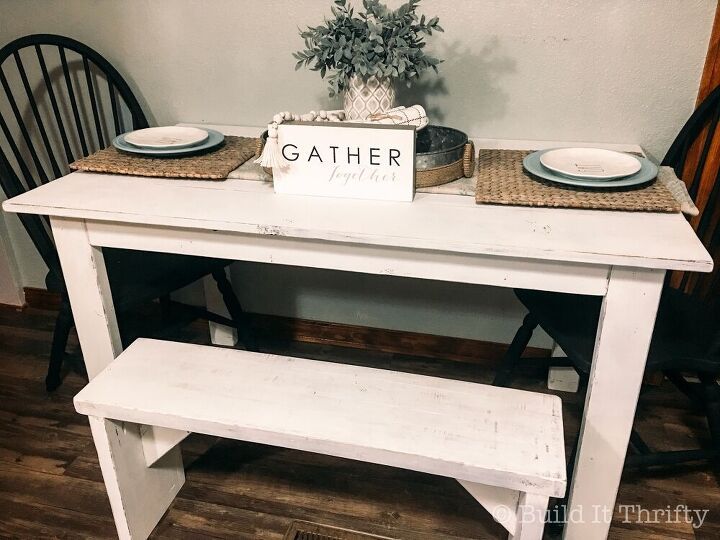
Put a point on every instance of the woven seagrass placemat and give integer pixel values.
(501, 179)
(215, 165)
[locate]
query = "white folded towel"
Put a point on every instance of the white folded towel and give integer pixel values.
(678, 189)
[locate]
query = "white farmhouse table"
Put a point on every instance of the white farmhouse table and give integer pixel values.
(620, 256)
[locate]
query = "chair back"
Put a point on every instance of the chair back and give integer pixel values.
(60, 101)
(695, 157)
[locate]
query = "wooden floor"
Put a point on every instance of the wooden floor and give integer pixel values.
(50, 483)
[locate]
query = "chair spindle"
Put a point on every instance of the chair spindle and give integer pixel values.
(73, 102)
(36, 115)
(23, 128)
(93, 102)
(54, 104)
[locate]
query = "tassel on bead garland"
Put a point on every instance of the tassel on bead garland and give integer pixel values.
(271, 156)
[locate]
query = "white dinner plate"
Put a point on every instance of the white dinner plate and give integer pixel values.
(166, 137)
(590, 163)
(647, 173)
(215, 139)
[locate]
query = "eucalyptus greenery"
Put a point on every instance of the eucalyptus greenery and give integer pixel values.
(377, 41)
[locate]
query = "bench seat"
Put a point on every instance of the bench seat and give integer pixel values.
(475, 433)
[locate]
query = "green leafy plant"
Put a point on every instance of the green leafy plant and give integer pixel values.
(378, 41)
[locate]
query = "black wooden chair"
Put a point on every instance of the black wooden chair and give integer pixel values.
(686, 339)
(62, 100)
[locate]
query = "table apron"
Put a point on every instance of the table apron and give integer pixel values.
(494, 270)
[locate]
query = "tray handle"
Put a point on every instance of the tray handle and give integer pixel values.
(469, 160)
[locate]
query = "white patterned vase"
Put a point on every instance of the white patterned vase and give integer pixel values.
(367, 96)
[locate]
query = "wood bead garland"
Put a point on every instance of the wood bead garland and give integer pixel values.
(271, 155)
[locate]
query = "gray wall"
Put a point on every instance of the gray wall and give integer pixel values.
(583, 70)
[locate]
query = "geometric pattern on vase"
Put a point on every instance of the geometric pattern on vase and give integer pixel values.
(368, 96)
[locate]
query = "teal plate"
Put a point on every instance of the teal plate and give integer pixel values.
(648, 172)
(215, 139)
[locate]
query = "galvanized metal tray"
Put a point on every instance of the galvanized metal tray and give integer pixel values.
(436, 146)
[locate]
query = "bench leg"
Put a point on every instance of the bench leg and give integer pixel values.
(139, 504)
(139, 495)
(531, 510)
(522, 514)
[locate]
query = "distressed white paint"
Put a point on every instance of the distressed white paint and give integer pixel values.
(381, 260)
(504, 446)
(158, 441)
(86, 279)
(499, 436)
(349, 161)
(562, 378)
(501, 503)
(448, 223)
(139, 495)
(530, 517)
(626, 323)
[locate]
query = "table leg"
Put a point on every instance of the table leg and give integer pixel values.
(87, 284)
(565, 378)
(626, 323)
(123, 461)
(219, 334)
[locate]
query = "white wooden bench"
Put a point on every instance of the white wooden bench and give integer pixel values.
(504, 446)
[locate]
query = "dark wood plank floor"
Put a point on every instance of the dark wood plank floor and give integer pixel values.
(50, 483)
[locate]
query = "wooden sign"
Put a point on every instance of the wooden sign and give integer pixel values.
(357, 161)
